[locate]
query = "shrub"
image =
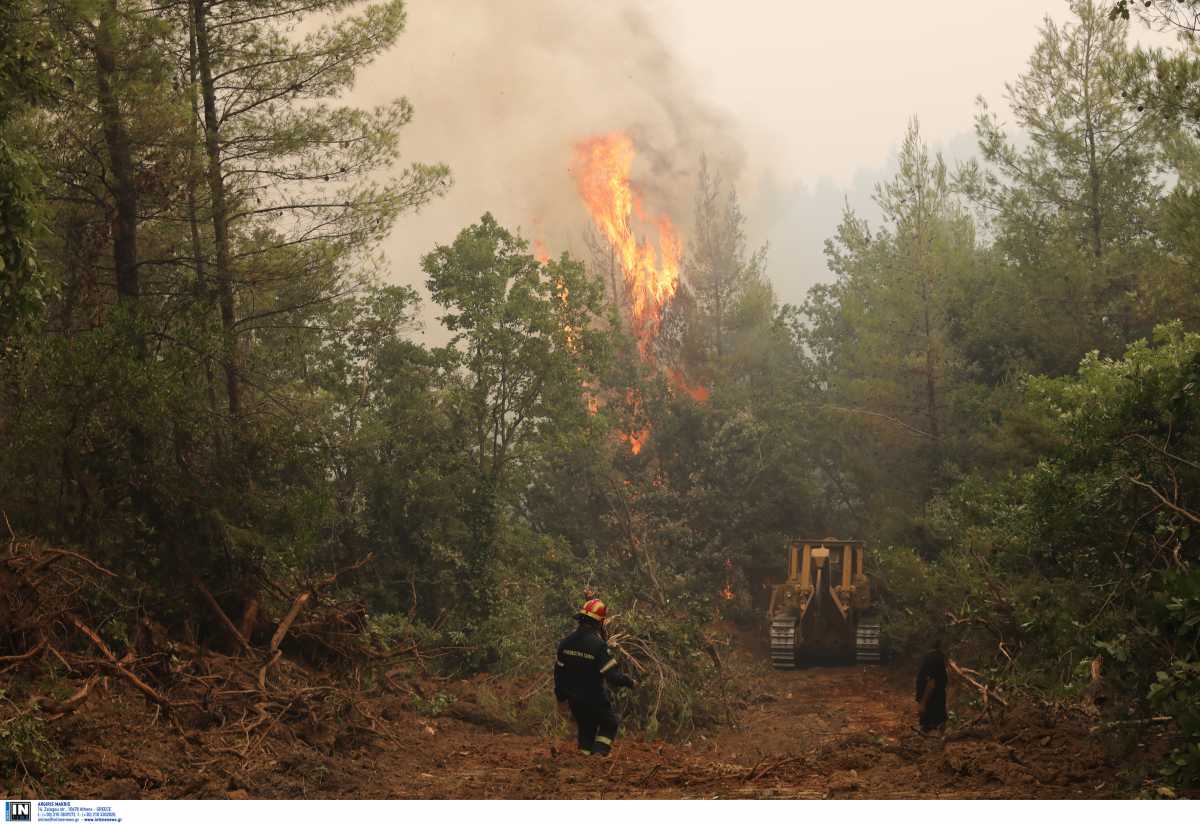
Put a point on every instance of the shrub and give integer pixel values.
(26, 752)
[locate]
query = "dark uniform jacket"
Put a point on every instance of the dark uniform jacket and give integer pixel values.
(932, 675)
(584, 663)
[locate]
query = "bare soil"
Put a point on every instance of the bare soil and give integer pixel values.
(828, 732)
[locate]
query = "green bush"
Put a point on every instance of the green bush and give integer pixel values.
(904, 589)
(433, 706)
(1091, 552)
(26, 752)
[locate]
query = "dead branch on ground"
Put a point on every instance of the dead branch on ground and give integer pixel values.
(1136, 722)
(119, 666)
(57, 709)
(221, 616)
(988, 693)
(251, 704)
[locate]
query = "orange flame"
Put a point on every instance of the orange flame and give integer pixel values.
(601, 171)
(636, 440)
(539, 251)
(602, 174)
(678, 380)
(570, 332)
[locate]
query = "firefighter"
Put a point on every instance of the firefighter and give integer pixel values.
(931, 688)
(583, 667)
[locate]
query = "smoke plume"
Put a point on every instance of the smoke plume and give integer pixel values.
(502, 91)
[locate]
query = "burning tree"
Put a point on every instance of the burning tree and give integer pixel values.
(601, 171)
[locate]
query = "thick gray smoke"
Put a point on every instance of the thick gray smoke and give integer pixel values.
(502, 90)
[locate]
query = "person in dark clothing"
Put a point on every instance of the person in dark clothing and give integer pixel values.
(931, 689)
(583, 667)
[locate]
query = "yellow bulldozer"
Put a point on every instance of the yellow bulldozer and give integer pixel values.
(821, 612)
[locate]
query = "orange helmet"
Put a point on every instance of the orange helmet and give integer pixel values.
(595, 610)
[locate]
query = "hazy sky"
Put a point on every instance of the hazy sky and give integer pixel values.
(800, 105)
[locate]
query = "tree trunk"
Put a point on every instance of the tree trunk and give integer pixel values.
(203, 294)
(1094, 205)
(719, 293)
(931, 357)
(124, 230)
(1094, 212)
(116, 138)
(220, 212)
(931, 383)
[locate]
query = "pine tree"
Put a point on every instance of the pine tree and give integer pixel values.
(1075, 209)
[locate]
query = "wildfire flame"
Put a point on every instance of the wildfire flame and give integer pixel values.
(570, 332)
(540, 253)
(601, 172)
(678, 380)
(636, 439)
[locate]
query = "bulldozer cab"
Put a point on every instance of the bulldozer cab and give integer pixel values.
(818, 611)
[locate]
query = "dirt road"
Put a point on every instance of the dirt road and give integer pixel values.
(812, 733)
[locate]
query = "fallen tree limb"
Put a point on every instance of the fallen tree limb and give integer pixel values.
(206, 696)
(262, 673)
(24, 656)
(146, 689)
(60, 658)
(221, 616)
(286, 623)
(986, 691)
(55, 554)
(271, 724)
(304, 597)
(96, 639)
(756, 773)
(1137, 722)
(57, 709)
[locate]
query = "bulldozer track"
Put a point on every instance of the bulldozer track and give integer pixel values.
(783, 643)
(866, 643)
